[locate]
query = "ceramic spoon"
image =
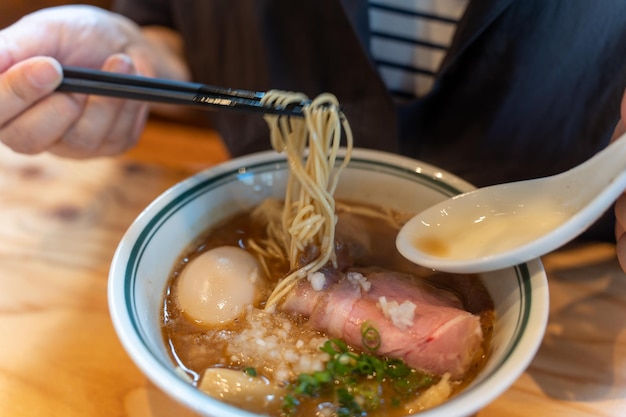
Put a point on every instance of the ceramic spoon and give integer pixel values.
(504, 225)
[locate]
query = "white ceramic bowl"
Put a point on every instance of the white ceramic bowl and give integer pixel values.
(146, 255)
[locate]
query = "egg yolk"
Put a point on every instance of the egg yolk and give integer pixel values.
(215, 287)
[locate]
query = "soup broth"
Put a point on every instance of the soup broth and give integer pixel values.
(275, 347)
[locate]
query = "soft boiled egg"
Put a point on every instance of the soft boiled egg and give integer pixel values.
(216, 286)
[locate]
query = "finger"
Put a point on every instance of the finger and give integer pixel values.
(126, 129)
(108, 126)
(620, 210)
(19, 42)
(619, 231)
(620, 129)
(620, 217)
(26, 83)
(99, 116)
(620, 251)
(39, 127)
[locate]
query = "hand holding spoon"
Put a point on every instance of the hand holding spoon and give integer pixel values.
(507, 224)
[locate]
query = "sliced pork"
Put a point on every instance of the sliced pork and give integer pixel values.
(423, 325)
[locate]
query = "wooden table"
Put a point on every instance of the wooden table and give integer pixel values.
(60, 221)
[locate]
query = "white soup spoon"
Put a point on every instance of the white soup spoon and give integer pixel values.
(508, 224)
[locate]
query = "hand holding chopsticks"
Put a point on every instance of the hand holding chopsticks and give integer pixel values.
(88, 81)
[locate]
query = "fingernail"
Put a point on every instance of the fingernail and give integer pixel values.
(45, 73)
(119, 63)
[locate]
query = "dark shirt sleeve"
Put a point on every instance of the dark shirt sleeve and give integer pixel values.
(146, 12)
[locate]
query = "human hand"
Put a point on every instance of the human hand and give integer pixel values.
(34, 118)
(620, 204)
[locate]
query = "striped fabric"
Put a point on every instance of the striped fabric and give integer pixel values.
(409, 39)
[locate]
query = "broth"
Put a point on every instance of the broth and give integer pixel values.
(268, 343)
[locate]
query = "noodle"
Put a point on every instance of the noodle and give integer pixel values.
(311, 145)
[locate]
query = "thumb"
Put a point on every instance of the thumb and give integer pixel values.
(620, 129)
(26, 83)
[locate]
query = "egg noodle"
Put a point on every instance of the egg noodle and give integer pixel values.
(311, 144)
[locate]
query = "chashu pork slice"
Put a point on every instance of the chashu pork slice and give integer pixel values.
(418, 323)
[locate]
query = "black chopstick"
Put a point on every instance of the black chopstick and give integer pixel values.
(89, 81)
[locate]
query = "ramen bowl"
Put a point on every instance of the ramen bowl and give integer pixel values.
(155, 241)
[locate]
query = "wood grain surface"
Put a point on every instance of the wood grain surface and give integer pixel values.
(60, 221)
